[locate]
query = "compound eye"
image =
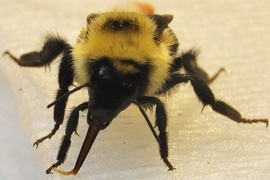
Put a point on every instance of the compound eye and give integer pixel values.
(104, 73)
(101, 75)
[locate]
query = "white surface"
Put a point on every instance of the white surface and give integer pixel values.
(232, 34)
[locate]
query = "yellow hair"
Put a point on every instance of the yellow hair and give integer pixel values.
(138, 45)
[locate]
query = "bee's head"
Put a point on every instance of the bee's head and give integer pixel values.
(111, 92)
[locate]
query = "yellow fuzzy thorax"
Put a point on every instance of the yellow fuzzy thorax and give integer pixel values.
(136, 44)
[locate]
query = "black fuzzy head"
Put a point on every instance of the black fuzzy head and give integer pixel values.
(111, 92)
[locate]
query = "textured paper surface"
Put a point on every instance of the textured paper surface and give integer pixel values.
(231, 34)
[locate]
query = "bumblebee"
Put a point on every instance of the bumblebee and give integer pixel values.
(122, 58)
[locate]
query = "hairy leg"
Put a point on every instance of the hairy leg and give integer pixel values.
(188, 60)
(207, 97)
(161, 123)
(70, 128)
(53, 47)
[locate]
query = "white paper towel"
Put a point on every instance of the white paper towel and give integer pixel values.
(231, 34)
